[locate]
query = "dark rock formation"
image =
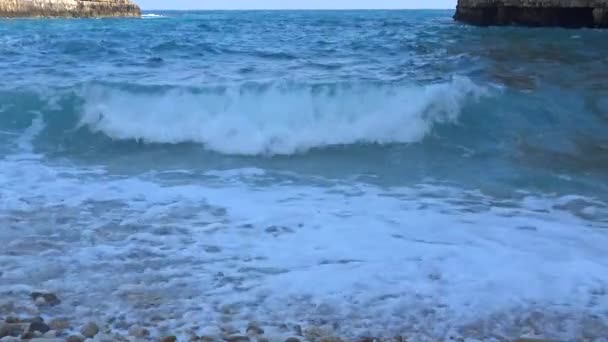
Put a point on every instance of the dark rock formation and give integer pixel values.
(564, 13)
(68, 8)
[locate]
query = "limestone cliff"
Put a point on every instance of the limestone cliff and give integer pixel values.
(68, 8)
(566, 13)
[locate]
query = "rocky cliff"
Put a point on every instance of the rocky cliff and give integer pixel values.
(68, 8)
(566, 13)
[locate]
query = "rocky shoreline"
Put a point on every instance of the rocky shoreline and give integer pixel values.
(36, 328)
(68, 8)
(572, 14)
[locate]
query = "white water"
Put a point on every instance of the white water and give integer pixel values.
(152, 16)
(278, 121)
(428, 261)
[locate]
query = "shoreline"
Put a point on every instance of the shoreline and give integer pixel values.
(68, 9)
(46, 325)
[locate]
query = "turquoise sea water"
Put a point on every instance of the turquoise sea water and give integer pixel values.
(378, 172)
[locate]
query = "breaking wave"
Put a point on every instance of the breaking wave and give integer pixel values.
(277, 120)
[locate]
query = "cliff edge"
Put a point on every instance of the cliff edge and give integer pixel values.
(564, 13)
(68, 8)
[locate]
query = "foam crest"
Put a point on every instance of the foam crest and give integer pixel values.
(278, 120)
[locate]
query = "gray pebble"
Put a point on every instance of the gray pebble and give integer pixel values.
(59, 324)
(12, 329)
(75, 338)
(39, 327)
(254, 329)
(45, 298)
(237, 338)
(138, 331)
(89, 330)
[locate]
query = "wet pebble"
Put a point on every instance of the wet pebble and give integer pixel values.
(330, 339)
(229, 330)
(292, 339)
(37, 326)
(253, 329)
(12, 329)
(237, 338)
(138, 331)
(75, 338)
(45, 298)
(169, 339)
(89, 330)
(12, 319)
(59, 324)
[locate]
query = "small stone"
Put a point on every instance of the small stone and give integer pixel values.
(45, 298)
(297, 329)
(12, 319)
(75, 338)
(89, 330)
(39, 327)
(229, 330)
(12, 329)
(138, 331)
(237, 338)
(59, 324)
(315, 333)
(330, 339)
(207, 339)
(292, 339)
(253, 329)
(37, 319)
(169, 339)
(46, 339)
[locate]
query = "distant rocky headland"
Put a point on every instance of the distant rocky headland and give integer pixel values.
(68, 8)
(564, 13)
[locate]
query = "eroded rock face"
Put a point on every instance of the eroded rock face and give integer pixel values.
(564, 13)
(68, 8)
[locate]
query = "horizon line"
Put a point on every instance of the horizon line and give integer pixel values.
(296, 9)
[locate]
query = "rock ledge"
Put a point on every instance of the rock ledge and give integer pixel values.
(68, 8)
(564, 13)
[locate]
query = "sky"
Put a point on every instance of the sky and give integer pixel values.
(294, 4)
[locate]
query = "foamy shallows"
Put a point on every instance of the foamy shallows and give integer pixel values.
(355, 174)
(427, 261)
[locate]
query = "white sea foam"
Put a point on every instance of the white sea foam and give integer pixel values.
(278, 121)
(370, 260)
(428, 261)
(152, 16)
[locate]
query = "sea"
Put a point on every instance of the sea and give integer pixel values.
(346, 173)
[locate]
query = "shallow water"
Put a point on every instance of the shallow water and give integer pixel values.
(372, 172)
